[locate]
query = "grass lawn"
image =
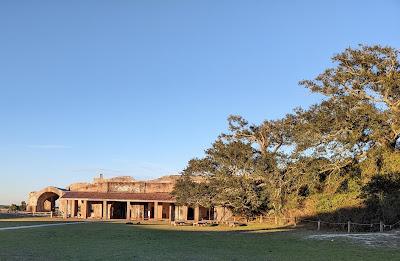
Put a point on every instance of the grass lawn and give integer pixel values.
(118, 241)
(27, 221)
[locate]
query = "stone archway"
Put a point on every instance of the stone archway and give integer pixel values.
(46, 199)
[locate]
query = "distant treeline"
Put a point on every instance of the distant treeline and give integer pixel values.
(339, 158)
(15, 207)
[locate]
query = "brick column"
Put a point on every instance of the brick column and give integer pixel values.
(170, 212)
(196, 214)
(155, 210)
(70, 207)
(184, 213)
(128, 210)
(73, 209)
(105, 209)
(65, 208)
(84, 209)
(160, 211)
(178, 213)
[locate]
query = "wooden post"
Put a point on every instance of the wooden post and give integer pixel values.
(348, 226)
(381, 226)
(319, 225)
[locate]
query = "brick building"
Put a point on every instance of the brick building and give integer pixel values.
(120, 198)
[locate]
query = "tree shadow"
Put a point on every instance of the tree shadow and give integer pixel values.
(381, 203)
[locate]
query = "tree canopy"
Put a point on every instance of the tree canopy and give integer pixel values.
(336, 147)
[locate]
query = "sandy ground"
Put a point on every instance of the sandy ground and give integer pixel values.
(387, 239)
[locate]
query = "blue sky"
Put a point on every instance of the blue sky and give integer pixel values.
(140, 87)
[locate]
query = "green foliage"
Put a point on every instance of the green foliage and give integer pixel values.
(227, 176)
(330, 152)
(382, 197)
(334, 202)
(22, 207)
(13, 207)
(192, 193)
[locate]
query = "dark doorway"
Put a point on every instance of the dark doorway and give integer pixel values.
(190, 213)
(118, 210)
(165, 211)
(209, 214)
(152, 212)
(146, 211)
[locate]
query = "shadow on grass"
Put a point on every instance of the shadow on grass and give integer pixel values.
(250, 228)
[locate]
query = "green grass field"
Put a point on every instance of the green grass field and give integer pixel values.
(119, 241)
(7, 221)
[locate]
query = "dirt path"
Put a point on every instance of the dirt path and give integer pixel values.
(41, 225)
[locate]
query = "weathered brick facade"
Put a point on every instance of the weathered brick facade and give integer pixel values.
(120, 198)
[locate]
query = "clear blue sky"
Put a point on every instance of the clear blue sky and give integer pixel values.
(140, 87)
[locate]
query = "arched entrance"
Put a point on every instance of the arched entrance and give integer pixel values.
(47, 202)
(47, 199)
